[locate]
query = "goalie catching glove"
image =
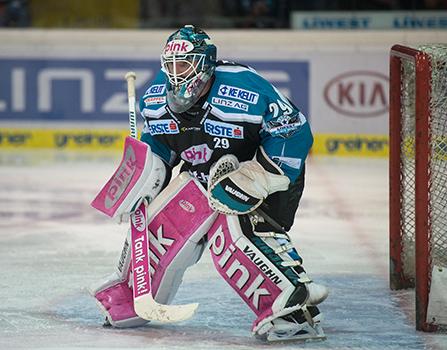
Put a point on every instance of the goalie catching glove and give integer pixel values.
(236, 189)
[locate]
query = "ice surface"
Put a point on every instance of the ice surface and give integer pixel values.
(53, 245)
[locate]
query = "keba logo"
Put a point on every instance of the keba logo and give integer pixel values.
(158, 89)
(197, 154)
(187, 206)
(358, 94)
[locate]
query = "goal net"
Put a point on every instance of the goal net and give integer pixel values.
(418, 179)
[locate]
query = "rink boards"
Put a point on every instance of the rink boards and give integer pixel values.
(63, 89)
(113, 139)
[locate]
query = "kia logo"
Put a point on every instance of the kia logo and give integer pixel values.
(358, 94)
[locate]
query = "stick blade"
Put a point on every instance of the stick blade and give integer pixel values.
(147, 308)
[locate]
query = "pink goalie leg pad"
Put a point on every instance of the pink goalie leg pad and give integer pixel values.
(258, 284)
(114, 295)
(178, 219)
(117, 300)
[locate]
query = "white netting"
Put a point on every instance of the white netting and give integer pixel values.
(408, 151)
(438, 159)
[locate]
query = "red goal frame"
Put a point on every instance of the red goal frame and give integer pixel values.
(422, 177)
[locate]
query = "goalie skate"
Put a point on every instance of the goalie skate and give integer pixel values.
(302, 325)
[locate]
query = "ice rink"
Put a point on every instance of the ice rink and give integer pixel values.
(53, 245)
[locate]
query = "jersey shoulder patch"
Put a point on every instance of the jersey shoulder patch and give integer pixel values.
(154, 97)
(238, 89)
(249, 84)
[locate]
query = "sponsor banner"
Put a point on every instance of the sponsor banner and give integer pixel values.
(107, 139)
(71, 139)
(95, 89)
(438, 145)
(358, 94)
(369, 20)
(350, 95)
(351, 145)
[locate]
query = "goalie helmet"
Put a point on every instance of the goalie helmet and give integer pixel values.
(189, 61)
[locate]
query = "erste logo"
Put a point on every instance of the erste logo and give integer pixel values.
(221, 129)
(158, 127)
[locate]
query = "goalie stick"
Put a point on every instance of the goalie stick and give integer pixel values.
(144, 304)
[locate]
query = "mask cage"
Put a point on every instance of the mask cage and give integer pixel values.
(182, 69)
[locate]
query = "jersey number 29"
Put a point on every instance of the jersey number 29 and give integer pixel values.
(221, 143)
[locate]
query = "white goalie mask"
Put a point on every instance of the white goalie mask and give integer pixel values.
(188, 60)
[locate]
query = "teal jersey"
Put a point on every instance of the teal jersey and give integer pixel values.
(242, 114)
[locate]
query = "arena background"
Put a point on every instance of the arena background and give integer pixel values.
(63, 118)
(63, 87)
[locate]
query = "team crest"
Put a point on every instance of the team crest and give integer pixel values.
(286, 125)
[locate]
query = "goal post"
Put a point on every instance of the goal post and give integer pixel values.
(418, 179)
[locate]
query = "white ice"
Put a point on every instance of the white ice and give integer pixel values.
(53, 245)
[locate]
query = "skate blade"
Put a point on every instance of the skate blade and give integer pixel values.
(316, 333)
(107, 323)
